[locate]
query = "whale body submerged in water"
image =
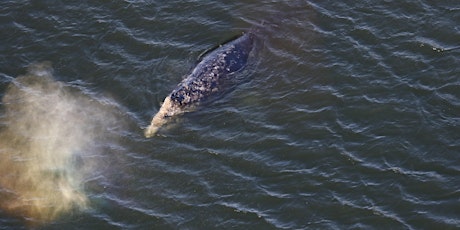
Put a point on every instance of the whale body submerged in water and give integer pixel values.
(212, 76)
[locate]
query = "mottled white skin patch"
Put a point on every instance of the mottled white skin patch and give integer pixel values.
(168, 109)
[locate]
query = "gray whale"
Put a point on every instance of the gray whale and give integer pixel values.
(212, 76)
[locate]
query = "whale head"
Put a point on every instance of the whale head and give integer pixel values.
(167, 110)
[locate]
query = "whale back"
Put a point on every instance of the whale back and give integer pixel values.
(213, 73)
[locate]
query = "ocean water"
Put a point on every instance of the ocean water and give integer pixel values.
(350, 119)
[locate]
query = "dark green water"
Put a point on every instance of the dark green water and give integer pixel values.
(351, 119)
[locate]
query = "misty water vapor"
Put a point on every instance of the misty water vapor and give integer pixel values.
(48, 145)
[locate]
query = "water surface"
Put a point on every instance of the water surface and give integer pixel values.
(350, 119)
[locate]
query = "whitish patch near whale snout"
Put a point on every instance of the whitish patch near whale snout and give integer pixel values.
(168, 109)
